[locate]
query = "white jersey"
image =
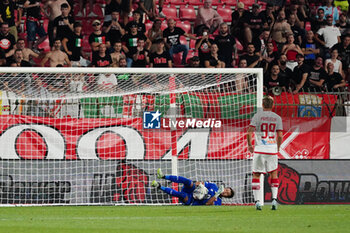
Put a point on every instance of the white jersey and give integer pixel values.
(266, 124)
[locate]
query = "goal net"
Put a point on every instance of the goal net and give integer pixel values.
(95, 136)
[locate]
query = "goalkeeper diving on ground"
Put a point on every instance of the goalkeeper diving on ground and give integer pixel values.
(194, 193)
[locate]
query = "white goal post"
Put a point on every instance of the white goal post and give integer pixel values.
(96, 136)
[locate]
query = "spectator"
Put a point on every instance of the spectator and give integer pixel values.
(227, 45)
(253, 60)
(141, 28)
(56, 56)
(213, 60)
(291, 50)
(337, 63)
(285, 72)
(72, 42)
(101, 59)
(193, 62)
(344, 53)
(58, 84)
(268, 16)
(343, 25)
(207, 17)
(331, 35)
(238, 18)
(77, 83)
(130, 43)
(297, 31)
(149, 8)
(6, 38)
(113, 28)
(52, 11)
(280, 30)
(122, 62)
(155, 33)
(63, 24)
(98, 37)
(293, 9)
(300, 74)
(319, 21)
(107, 82)
(310, 48)
(269, 57)
(141, 58)
(203, 44)
(27, 53)
(33, 24)
(18, 59)
(111, 6)
(334, 80)
(330, 10)
(253, 23)
(273, 79)
(260, 42)
(117, 54)
(317, 75)
(7, 14)
(172, 40)
(160, 58)
(82, 12)
(240, 81)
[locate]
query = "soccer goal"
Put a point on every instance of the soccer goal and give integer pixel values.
(93, 136)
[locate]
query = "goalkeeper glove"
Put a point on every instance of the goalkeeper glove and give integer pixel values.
(220, 190)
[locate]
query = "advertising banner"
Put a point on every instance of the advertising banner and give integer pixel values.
(26, 137)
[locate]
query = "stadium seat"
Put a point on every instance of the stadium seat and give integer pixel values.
(170, 11)
(76, 11)
(225, 13)
(96, 9)
(148, 26)
(196, 3)
(307, 26)
(191, 54)
(247, 3)
(45, 45)
(185, 25)
(183, 40)
(85, 45)
(87, 28)
(216, 3)
(230, 3)
(192, 44)
(178, 2)
(177, 57)
(187, 13)
(164, 25)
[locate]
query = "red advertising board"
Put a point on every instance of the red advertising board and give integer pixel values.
(26, 137)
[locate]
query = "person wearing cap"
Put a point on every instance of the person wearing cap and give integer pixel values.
(172, 40)
(113, 28)
(331, 36)
(72, 45)
(63, 24)
(253, 23)
(130, 42)
(160, 58)
(238, 20)
(300, 74)
(207, 17)
(98, 37)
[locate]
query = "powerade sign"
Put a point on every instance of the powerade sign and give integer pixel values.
(151, 120)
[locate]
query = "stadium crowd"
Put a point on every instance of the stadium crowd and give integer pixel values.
(300, 44)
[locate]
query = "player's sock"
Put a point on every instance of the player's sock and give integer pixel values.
(274, 188)
(173, 192)
(256, 189)
(179, 179)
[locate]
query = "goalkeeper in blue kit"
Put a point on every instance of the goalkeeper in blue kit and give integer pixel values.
(194, 193)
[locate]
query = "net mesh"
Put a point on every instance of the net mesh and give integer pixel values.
(89, 138)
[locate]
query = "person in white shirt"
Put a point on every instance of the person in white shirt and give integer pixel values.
(330, 33)
(338, 66)
(107, 82)
(267, 126)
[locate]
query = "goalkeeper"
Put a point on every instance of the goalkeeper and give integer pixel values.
(194, 193)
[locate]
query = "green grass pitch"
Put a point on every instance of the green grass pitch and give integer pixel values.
(167, 219)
